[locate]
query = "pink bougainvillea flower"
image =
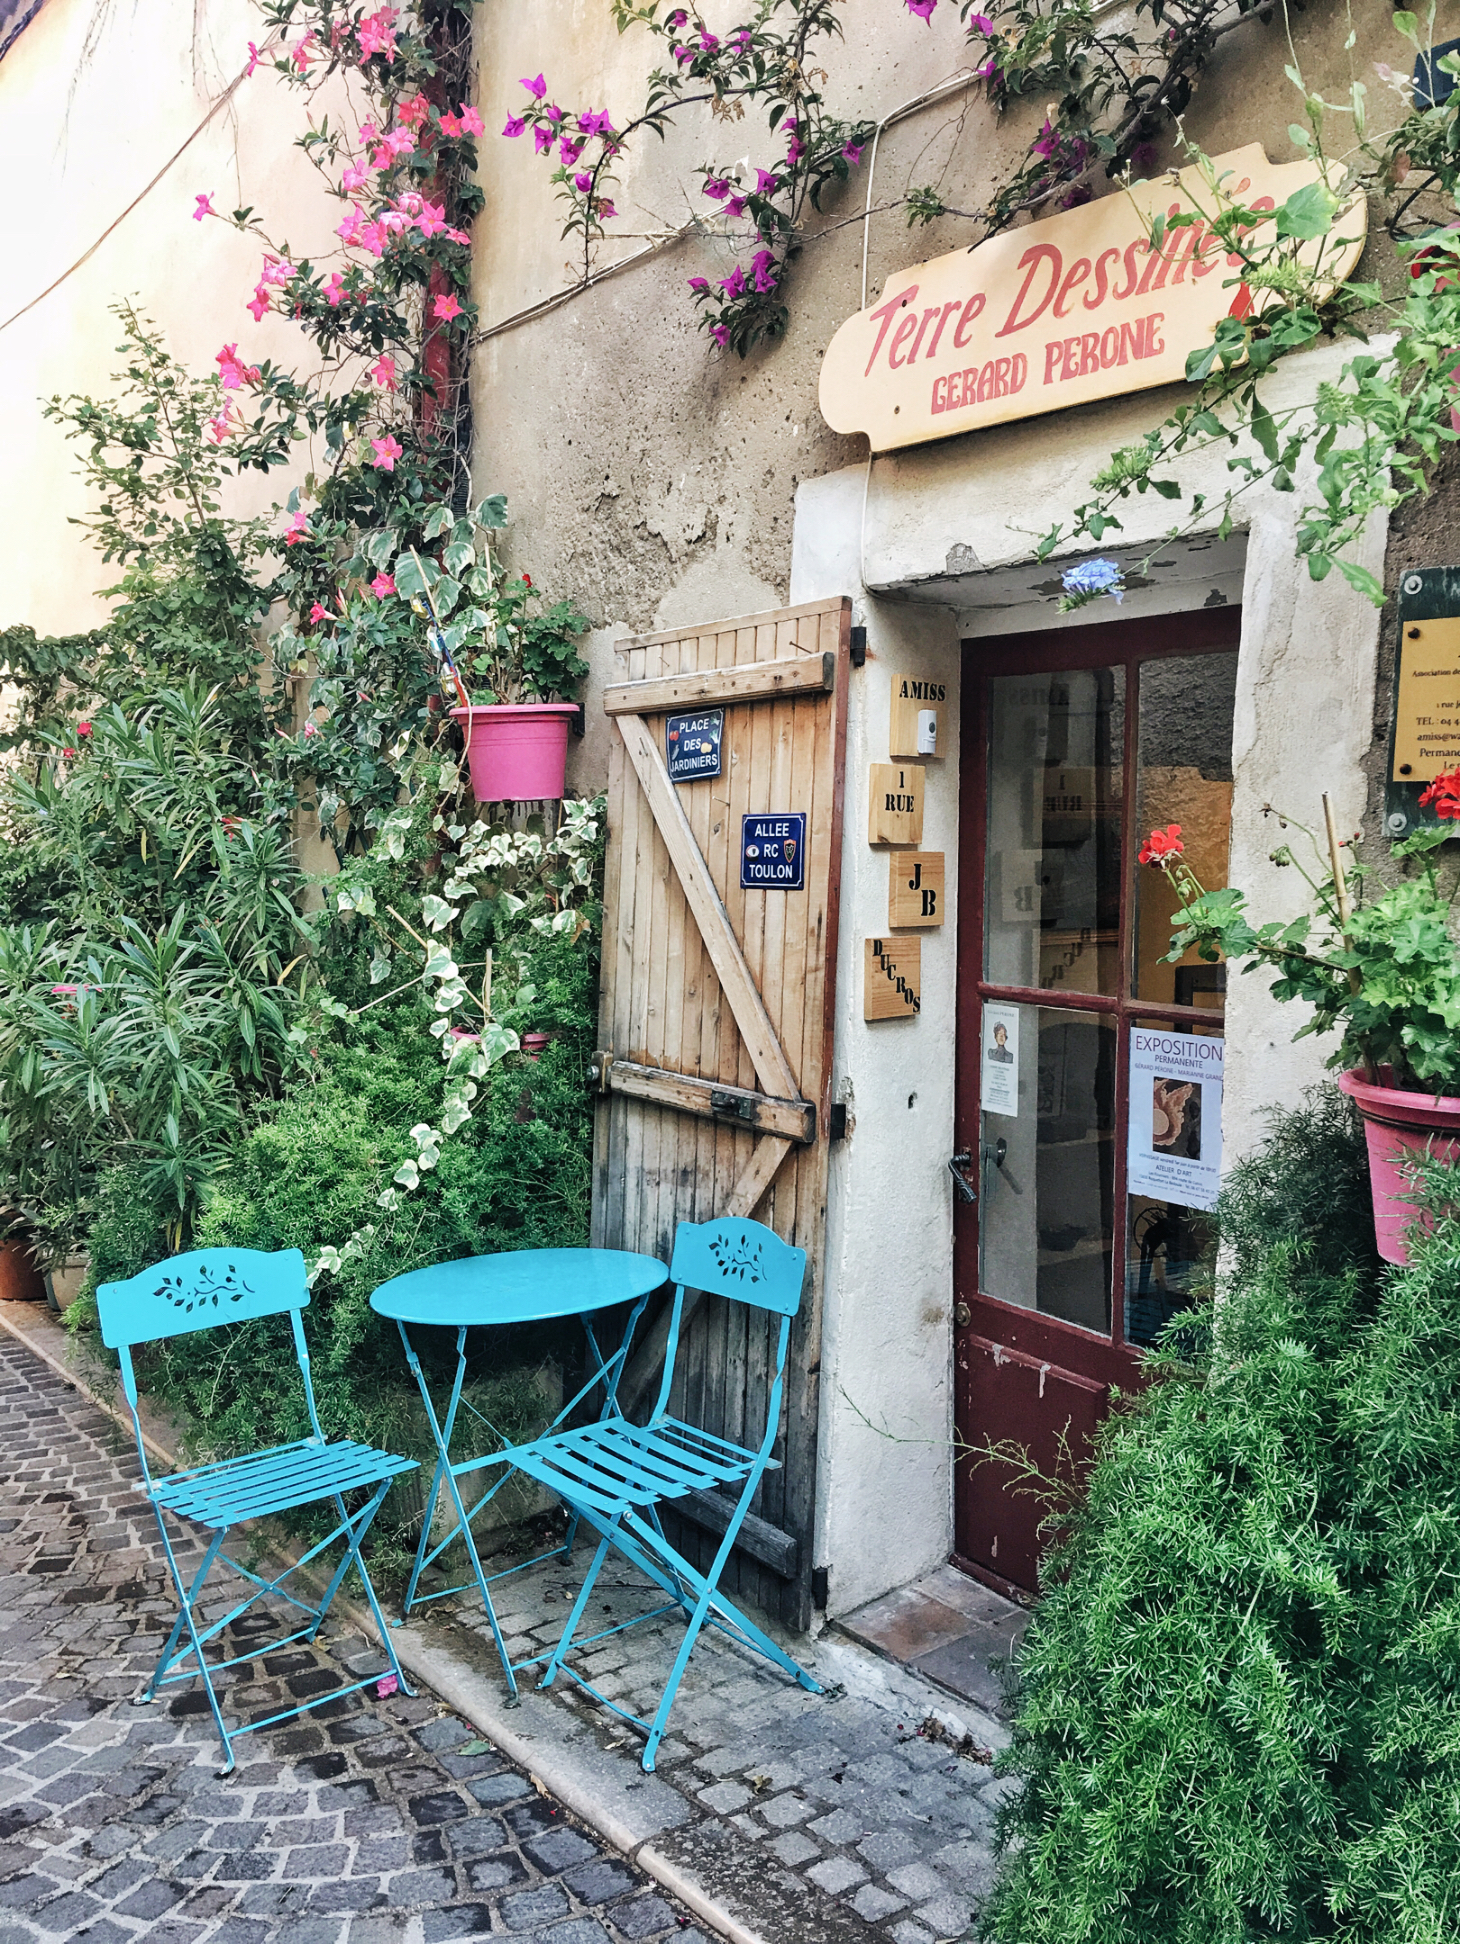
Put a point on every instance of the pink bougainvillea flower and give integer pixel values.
(717, 188)
(763, 269)
(583, 181)
(766, 184)
(569, 150)
(683, 54)
(382, 585)
(553, 112)
(377, 33)
(319, 612)
(258, 304)
(471, 122)
(597, 121)
(676, 20)
(204, 208)
(607, 214)
(445, 308)
(298, 529)
(255, 55)
(735, 207)
(720, 334)
(387, 451)
(536, 87)
(543, 137)
(853, 152)
(923, 9)
(514, 126)
(980, 24)
(384, 373)
(709, 42)
(699, 283)
(734, 284)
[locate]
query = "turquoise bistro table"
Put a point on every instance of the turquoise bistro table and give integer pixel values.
(487, 1292)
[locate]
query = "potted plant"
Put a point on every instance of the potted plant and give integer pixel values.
(1385, 974)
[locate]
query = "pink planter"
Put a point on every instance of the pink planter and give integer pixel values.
(1397, 1124)
(518, 751)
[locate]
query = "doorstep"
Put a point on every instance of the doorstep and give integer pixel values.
(864, 1815)
(949, 1629)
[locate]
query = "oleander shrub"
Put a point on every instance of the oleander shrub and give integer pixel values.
(1239, 1713)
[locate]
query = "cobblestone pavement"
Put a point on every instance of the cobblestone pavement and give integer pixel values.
(834, 1807)
(362, 1822)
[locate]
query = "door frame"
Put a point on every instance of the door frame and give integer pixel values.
(1029, 1333)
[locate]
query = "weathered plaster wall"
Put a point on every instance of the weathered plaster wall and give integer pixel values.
(94, 97)
(652, 480)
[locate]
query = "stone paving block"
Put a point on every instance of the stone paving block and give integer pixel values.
(908, 1932)
(837, 1874)
(504, 1871)
(641, 1917)
(582, 1930)
(531, 1909)
(874, 1903)
(888, 1848)
(793, 1848)
(946, 1916)
(595, 1883)
(724, 1797)
(558, 1850)
(784, 1810)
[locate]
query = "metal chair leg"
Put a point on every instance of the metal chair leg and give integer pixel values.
(565, 1641)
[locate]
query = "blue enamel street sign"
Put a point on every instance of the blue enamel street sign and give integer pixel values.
(692, 745)
(773, 851)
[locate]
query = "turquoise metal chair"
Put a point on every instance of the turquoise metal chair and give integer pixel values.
(614, 1475)
(199, 1292)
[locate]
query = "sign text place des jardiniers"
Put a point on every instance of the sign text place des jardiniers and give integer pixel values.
(895, 804)
(1427, 702)
(1077, 307)
(892, 978)
(773, 851)
(916, 725)
(692, 745)
(915, 889)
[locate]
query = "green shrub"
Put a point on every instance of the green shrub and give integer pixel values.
(1239, 1715)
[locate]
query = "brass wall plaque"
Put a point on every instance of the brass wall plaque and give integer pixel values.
(895, 803)
(892, 978)
(915, 889)
(1427, 701)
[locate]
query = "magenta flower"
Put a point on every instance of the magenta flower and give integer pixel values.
(569, 150)
(298, 529)
(387, 451)
(763, 269)
(734, 284)
(583, 181)
(853, 152)
(537, 87)
(720, 334)
(596, 122)
(735, 207)
(923, 9)
(699, 283)
(300, 54)
(204, 208)
(382, 585)
(383, 373)
(445, 308)
(258, 304)
(766, 184)
(554, 113)
(544, 139)
(717, 188)
(255, 55)
(514, 126)
(709, 42)
(606, 212)
(471, 122)
(676, 20)
(980, 24)
(683, 54)
(318, 613)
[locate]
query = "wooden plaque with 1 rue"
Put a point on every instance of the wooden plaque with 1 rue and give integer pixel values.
(915, 889)
(895, 803)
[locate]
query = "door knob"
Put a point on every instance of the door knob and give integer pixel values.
(964, 1187)
(962, 1315)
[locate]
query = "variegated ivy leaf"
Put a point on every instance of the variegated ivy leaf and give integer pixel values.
(451, 994)
(439, 1026)
(512, 904)
(449, 775)
(408, 1175)
(458, 887)
(387, 1199)
(498, 1041)
(456, 1113)
(456, 832)
(379, 967)
(440, 964)
(437, 912)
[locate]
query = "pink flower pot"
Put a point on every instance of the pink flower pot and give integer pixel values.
(535, 1044)
(518, 751)
(1396, 1125)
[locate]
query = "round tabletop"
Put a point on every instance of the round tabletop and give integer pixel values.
(518, 1286)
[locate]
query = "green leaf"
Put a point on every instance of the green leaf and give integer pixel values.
(493, 511)
(1360, 578)
(1308, 212)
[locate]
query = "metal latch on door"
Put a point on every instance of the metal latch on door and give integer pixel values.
(963, 1186)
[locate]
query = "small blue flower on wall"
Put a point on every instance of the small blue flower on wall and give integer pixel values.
(1089, 581)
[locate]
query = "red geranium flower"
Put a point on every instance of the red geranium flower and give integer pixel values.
(1444, 794)
(1162, 844)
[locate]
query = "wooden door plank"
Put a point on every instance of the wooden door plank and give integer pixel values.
(712, 1099)
(769, 616)
(786, 674)
(739, 987)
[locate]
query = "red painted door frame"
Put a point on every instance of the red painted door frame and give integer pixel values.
(1019, 1375)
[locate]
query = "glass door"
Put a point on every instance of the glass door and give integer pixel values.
(1089, 1064)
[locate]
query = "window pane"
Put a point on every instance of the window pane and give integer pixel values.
(1183, 776)
(1052, 906)
(1047, 1162)
(1170, 1249)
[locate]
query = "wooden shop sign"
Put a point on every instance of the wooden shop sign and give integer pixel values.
(892, 978)
(915, 889)
(894, 803)
(1077, 307)
(916, 724)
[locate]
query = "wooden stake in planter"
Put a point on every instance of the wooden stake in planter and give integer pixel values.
(1340, 886)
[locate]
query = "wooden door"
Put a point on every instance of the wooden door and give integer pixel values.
(1085, 1241)
(714, 1061)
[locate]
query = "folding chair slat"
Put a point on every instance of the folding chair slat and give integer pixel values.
(652, 1462)
(251, 1488)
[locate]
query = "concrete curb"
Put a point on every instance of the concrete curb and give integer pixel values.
(584, 1785)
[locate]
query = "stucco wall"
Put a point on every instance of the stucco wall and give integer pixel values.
(94, 99)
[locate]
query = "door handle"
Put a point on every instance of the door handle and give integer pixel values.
(963, 1186)
(997, 1152)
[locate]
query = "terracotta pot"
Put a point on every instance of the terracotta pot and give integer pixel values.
(518, 751)
(20, 1280)
(1396, 1125)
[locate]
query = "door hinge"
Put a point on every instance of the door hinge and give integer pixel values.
(820, 1586)
(600, 1073)
(734, 1106)
(838, 1129)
